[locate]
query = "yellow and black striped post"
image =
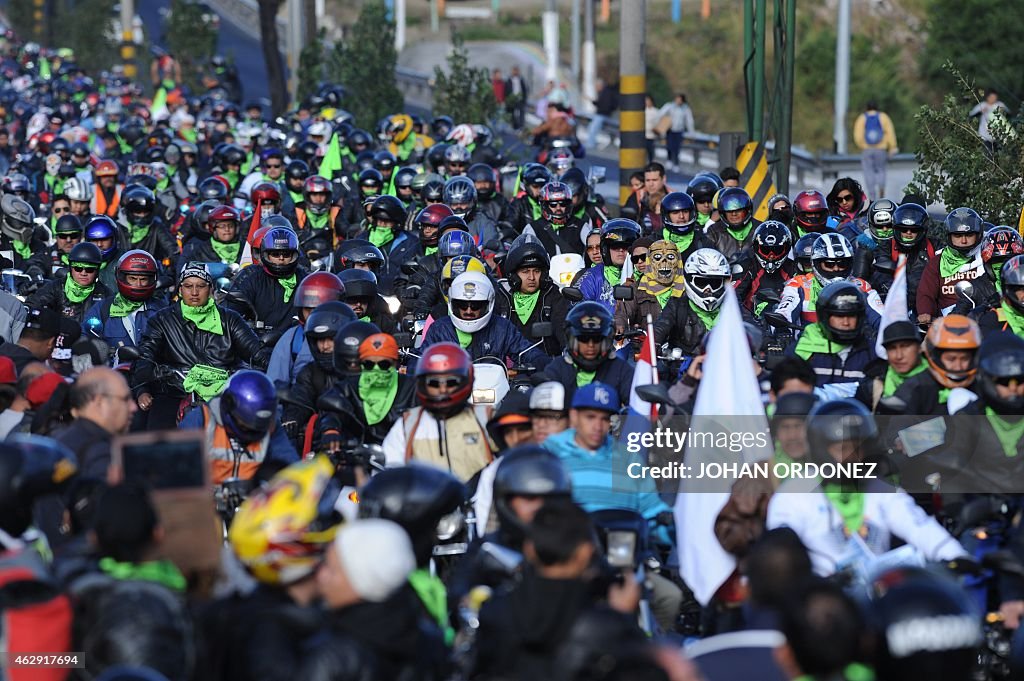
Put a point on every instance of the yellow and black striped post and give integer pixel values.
(755, 178)
(128, 48)
(38, 17)
(632, 86)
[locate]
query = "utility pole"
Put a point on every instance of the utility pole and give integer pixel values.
(589, 56)
(310, 14)
(753, 66)
(842, 76)
(131, 67)
(784, 73)
(550, 27)
(399, 25)
(294, 42)
(632, 87)
(576, 40)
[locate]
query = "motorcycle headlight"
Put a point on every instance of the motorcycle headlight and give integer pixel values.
(450, 525)
(394, 305)
(621, 548)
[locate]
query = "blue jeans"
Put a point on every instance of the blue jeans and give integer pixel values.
(596, 123)
(673, 141)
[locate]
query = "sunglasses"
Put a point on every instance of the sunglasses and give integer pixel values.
(475, 305)
(271, 166)
(61, 211)
(437, 382)
(384, 365)
(845, 198)
(639, 257)
(617, 247)
(76, 268)
(1007, 381)
(68, 237)
(590, 340)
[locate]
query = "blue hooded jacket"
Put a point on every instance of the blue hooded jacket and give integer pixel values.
(500, 338)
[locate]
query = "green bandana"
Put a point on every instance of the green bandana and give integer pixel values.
(813, 340)
(206, 381)
(1013, 318)
(997, 274)
(464, 338)
(24, 250)
(365, 319)
(944, 395)
(434, 595)
(740, 234)
(702, 219)
(1008, 432)
(122, 307)
(288, 284)
(535, 208)
(584, 378)
(894, 379)
(381, 236)
(850, 505)
(231, 176)
(951, 261)
(708, 318)
(159, 571)
(228, 253)
(613, 275)
(525, 303)
(137, 234)
(430, 250)
(318, 221)
(377, 390)
(206, 317)
(683, 241)
(74, 291)
(663, 297)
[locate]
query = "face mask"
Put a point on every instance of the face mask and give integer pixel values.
(663, 262)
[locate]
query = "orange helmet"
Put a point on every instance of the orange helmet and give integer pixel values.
(952, 332)
(106, 169)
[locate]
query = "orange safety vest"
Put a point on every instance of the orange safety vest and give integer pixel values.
(225, 460)
(100, 205)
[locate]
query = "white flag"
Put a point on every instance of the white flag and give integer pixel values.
(895, 304)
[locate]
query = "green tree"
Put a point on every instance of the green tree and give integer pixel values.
(19, 13)
(956, 168)
(190, 39)
(312, 67)
(88, 30)
(462, 91)
(365, 64)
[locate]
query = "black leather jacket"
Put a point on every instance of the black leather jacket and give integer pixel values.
(551, 307)
(171, 343)
(341, 409)
(51, 296)
(263, 295)
(159, 243)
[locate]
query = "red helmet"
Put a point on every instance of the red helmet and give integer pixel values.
(222, 214)
(317, 288)
(265, 192)
(444, 359)
(433, 214)
(1000, 244)
(136, 262)
(810, 208)
(257, 242)
(315, 184)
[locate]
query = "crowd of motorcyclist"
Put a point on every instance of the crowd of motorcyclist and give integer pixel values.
(412, 356)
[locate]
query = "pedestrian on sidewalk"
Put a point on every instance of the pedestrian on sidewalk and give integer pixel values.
(652, 115)
(876, 137)
(681, 115)
(605, 104)
(516, 93)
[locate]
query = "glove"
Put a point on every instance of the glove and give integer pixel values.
(291, 428)
(331, 440)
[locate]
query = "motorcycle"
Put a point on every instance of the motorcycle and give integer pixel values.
(623, 536)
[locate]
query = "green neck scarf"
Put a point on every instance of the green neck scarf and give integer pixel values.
(584, 378)
(708, 318)
(227, 252)
(205, 317)
(813, 340)
(365, 319)
(850, 505)
(377, 390)
(702, 219)
(997, 276)
(663, 297)
(525, 303)
(138, 233)
(951, 261)
(288, 284)
(231, 176)
(1013, 318)
(682, 241)
(534, 208)
(381, 236)
(613, 275)
(434, 595)
(430, 250)
(296, 196)
(74, 291)
(122, 307)
(465, 338)
(1008, 432)
(206, 381)
(67, 263)
(740, 234)
(159, 571)
(317, 221)
(894, 379)
(22, 249)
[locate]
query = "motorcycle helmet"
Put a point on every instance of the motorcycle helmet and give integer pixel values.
(248, 406)
(771, 245)
(910, 226)
(782, 214)
(387, 208)
(138, 263)
(674, 202)
(535, 175)
(296, 171)
(318, 288)
(432, 190)
(964, 221)
(201, 218)
(456, 159)
(358, 284)
(843, 299)
(456, 266)
(619, 231)
(735, 199)
(810, 210)
(31, 466)
(556, 203)
(577, 182)
(460, 195)
(431, 216)
(482, 174)
(101, 228)
(444, 360)
(399, 127)
(77, 189)
(559, 161)
(223, 213)
(347, 342)
(457, 242)
(264, 194)
(804, 249)
(952, 332)
(319, 187)
(588, 320)
(86, 253)
(835, 421)
(325, 321)
(703, 187)
(831, 258)
(528, 471)
(212, 188)
(403, 182)
(359, 140)
(18, 219)
(880, 219)
(371, 182)
(441, 126)
(1012, 276)
(1001, 361)
(526, 252)
(707, 274)
(435, 157)
(471, 291)
(282, 530)
(280, 240)
(360, 252)
(69, 223)
(999, 245)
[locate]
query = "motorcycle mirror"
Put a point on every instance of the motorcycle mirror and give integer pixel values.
(331, 401)
(768, 295)
(655, 393)
(572, 294)
(965, 292)
(779, 320)
(127, 353)
(622, 293)
(541, 329)
(410, 267)
(404, 340)
(493, 245)
(598, 174)
(737, 270)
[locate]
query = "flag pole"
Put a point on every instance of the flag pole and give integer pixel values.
(654, 363)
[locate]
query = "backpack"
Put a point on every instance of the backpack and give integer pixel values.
(873, 132)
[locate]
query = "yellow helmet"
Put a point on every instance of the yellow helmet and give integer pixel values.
(400, 125)
(281, 531)
(456, 266)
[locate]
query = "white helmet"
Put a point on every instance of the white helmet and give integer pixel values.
(564, 267)
(835, 249)
(707, 274)
(462, 134)
(320, 129)
(77, 189)
(472, 287)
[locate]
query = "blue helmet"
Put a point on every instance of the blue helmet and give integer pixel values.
(248, 406)
(457, 242)
(101, 227)
(280, 239)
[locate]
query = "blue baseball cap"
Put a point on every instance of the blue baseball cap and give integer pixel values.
(596, 395)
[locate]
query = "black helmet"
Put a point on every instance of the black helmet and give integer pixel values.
(619, 230)
(153, 155)
(925, 626)
(536, 175)
(577, 182)
(526, 252)
(881, 219)
(201, 217)
(212, 188)
(364, 161)
(346, 346)
(384, 161)
(529, 471)
(391, 208)
(835, 421)
(325, 321)
(297, 170)
(17, 218)
(481, 172)
(432, 190)
(359, 138)
(232, 155)
(805, 249)
(31, 466)
(68, 224)
(1012, 275)
(371, 182)
(420, 499)
(86, 253)
(677, 201)
(403, 177)
(964, 221)
(435, 156)
(358, 284)
(590, 319)
(909, 216)
(841, 298)
(703, 187)
(1001, 358)
(771, 244)
(139, 206)
(359, 251)
(441, 126)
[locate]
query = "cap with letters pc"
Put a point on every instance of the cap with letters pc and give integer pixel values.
(599, 396)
